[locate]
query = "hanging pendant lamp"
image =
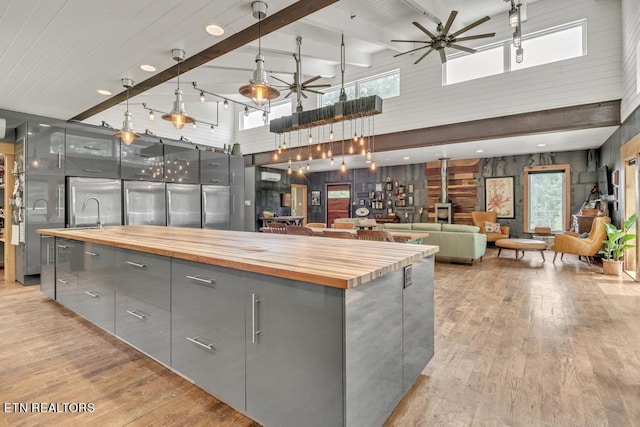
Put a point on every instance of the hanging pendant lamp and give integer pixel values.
(178, 116)
(258, 88)
(127, 134)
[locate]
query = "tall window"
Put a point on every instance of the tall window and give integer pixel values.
(385, 85)
(541, 47)
(546, 197)
(255, 118)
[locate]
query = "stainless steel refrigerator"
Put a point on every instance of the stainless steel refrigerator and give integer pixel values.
(106, 190)
(144, 203)
(215, 207)
(183, 205)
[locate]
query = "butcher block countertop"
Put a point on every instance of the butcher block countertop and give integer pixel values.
(340, 263)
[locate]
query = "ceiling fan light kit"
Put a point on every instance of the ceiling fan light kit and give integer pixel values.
(515, 21)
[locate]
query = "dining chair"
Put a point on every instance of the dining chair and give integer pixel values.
(377, 235)
(316, 225)
(299, 230)
(339, 234)
(277, 227)
(347, 225)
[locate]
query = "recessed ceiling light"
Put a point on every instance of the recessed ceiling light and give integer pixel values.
(215, 30)
(406, 158)
(542, 145)
(479, 151)
(104, 92)
(148, 68)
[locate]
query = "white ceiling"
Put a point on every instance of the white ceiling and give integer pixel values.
(55, 54)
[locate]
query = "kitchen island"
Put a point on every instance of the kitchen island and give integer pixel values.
(291, 330)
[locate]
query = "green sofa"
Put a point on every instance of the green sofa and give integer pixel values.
(456, 242)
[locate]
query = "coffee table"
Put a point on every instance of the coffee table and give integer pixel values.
(521, 245)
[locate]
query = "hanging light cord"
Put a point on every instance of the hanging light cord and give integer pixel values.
(343, 94)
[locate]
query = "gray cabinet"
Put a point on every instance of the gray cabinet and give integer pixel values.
(143, 295)
(294, 352)
(96, 285)
(236, 193)
(48, 267)
(68, 264)
(92, 152)
(44, 149)
(214, 168)
(142, 160)
(208, 328)
(181, 164)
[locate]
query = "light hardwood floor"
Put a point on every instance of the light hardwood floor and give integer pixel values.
(518, 343)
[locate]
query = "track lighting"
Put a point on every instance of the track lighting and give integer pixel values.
(151, 115)
(202, 97)
(225, 105)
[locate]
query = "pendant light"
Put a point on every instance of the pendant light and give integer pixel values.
(258, 88)
(177, 116)
(127, 133)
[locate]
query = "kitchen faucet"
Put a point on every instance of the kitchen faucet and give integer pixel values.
(84, 205)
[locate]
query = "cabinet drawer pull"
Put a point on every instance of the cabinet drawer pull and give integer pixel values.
(200, 343)
(142, 174)
(91, 147)
(134, 313)
(182, 160)
(136, 264)
(214, 164)
(59, 160)
(214, 180)
(92, 253)
(254, 328)
(92, 170)
(200, 279)
(63, 247)
(64, 282)
(92, 294)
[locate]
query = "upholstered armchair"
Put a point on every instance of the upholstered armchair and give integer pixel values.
(480, 217)
(569, 243)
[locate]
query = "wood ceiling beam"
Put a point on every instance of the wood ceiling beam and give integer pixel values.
(272, 23)
(586, 116)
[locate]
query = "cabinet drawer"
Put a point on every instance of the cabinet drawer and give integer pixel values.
(68, 254)
(214, 168)
(97, 305)
(145, 326)
(144, 276)
(208, 296)
(99, 263)
(66, 288)
(210, 356)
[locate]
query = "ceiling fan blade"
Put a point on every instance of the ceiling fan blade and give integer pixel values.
(313, 91)
(409, 51)
(447, 26)
(443, 56)
(411, 41)
(303, 95)
(423, 56)
(466, 49)
(312, 79)
(288, 95)
(470, 26)
(479, 36)
(280, 80)
(322, 85)
(424, 30)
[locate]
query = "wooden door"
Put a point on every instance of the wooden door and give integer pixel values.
(299, 201)
(338, 202)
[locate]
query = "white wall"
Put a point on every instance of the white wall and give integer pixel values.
(631, 57)
(425, 102)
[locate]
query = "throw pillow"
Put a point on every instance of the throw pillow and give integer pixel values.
(491, 227)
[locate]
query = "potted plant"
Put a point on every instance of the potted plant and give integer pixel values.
(615, 245)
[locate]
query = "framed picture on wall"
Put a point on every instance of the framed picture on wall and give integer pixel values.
(411, 189)
(315, 197)
(499, 195)
(285, 199)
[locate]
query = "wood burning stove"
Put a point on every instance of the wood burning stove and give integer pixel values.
(444, 209)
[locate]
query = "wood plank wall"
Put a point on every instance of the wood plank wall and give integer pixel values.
(462, 188)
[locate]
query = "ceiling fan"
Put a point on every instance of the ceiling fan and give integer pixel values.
(443, 39)
(297, 87)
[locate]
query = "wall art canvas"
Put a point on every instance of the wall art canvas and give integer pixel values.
(499, 196)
